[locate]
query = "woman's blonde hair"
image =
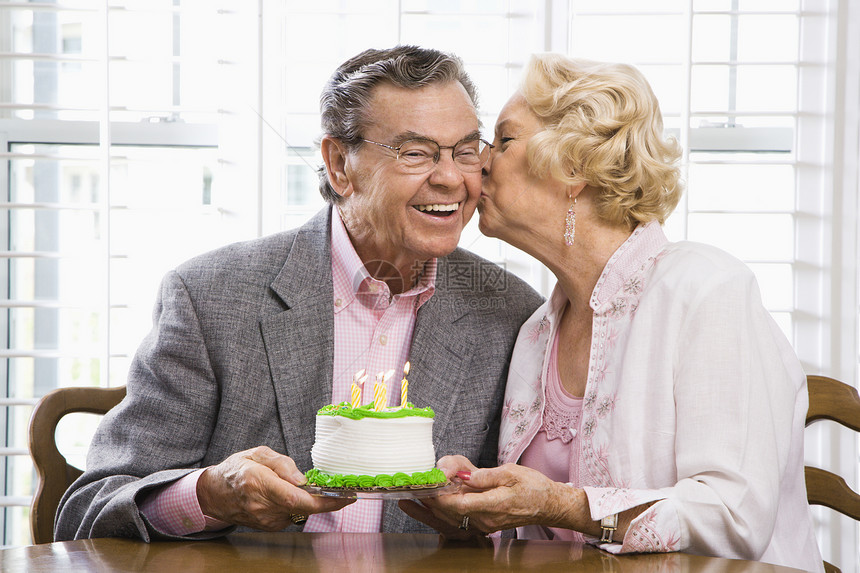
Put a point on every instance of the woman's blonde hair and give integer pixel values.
(604, 128)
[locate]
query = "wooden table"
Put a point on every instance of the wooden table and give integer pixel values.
(350, 552)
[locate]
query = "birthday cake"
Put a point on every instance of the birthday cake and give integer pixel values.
(361, 447)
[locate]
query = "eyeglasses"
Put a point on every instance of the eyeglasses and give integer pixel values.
(421, 155)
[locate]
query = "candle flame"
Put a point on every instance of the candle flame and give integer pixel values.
(406, 368)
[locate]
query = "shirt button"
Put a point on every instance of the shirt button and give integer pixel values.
(338, 302)
(383, 340)
(572, 432)
(186, 522)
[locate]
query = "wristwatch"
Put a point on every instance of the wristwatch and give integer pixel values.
(608, 524)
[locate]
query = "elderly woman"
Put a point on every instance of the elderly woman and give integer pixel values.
(652, 403)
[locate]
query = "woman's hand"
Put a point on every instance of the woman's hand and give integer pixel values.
(457, 466)
(454, 467)
(503, 498)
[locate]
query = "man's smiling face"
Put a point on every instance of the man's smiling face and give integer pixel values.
(400, 217)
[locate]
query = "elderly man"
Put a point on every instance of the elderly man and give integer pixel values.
(250, 340)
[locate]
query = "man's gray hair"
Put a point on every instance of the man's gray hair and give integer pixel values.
(345, 100)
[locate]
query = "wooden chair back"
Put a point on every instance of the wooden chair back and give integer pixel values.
(55, 473)
(830, 399)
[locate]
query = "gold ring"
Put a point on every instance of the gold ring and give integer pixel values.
(465, 525)
(298, 519)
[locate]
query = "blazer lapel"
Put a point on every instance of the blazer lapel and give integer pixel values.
(442, 346)
(300, 340)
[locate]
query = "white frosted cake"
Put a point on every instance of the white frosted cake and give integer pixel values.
(363, 448)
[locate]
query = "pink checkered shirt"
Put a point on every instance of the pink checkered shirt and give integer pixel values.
(372, 332)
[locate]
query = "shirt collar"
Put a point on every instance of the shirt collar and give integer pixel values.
(349, 276)
(643, 244)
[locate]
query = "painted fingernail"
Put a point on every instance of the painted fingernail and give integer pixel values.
(465, 476)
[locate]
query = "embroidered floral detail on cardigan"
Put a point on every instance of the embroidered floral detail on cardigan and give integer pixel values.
(615, 500)
(606, 405)
(612, 339)
(601, 459)
(601, 374)
(536, 330)
(514, 412)
(644, 536)
(521, 428)
(588, 427)
(618, 308)
(633, 286)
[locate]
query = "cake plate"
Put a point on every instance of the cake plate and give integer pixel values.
(409, 492)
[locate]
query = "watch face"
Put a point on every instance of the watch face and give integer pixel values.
(608, 524)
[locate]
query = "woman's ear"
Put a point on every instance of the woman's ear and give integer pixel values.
(573, 191)
(334, 155)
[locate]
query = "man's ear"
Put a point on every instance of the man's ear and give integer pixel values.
(334, 155)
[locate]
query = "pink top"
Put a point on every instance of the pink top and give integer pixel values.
(554, 451)
(372, 332)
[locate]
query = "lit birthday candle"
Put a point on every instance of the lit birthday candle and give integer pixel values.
(357, 384)
(404, 384)
(380, 390)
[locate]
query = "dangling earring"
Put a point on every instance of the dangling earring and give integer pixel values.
(570, 224)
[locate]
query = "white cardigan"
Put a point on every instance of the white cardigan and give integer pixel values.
(694, 398)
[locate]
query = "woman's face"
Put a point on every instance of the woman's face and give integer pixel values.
(512, 198)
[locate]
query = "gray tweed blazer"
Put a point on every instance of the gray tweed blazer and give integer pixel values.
(241, 355)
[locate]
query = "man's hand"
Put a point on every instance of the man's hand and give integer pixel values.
(257, 488)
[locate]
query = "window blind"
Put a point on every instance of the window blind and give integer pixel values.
(110, 119)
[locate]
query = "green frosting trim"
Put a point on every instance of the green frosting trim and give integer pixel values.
(346, 410)
(363, 481)
(383, 480)
(400, 479)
